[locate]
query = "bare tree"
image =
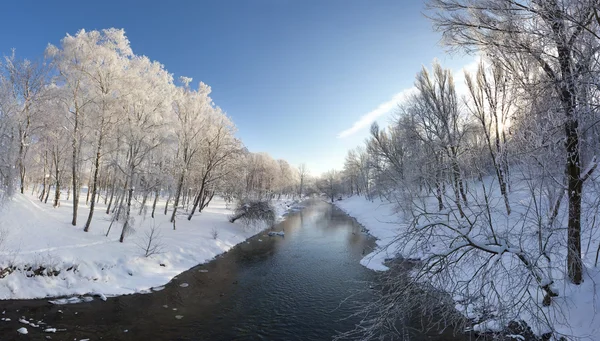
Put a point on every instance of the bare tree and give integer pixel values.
(302, 173)
(554, 34)
(330, 184)
(491, 105)
(151, 244)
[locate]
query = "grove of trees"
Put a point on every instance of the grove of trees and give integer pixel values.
(92, 114)
(496, 186)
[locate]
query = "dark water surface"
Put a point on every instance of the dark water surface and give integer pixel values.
(269, 288)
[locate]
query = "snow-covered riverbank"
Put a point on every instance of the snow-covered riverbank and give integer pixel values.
(43, 255)
(380, 219)
(573, 311)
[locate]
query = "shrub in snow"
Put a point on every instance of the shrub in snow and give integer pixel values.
(214, 233)
(400, 304)
(253, 213)
(151, 242)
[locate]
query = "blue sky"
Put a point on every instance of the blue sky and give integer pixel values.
(295, 76)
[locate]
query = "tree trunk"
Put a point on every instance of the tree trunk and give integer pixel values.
(573, 162)
(438, 190)
(120, 200)
(95, 179)
(87, 195)
(21, 168)
(44, 184)
(22, 151)
(144, 198)
(457, 186)
(177, 195)
(127, 213)
(57, 189)
(575, 187)
(47, 195)
(184, 198)
(112, 195)
(198, 197)
(74, 166)
(167, 202)
(206, 200)
(156, 195)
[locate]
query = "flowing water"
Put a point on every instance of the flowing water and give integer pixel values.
(302, 286)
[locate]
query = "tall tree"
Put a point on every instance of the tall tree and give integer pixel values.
(146, 111)
(302, 173)
(560, 36)
(104, 76)
(28, 82)
(73, 60)
(191, 110)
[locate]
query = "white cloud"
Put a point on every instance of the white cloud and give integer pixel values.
(382, 109)
(386, 107)
(459, 76)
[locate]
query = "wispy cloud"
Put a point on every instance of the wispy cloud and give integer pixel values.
(382, 109)
(459, 75)
(386, 107)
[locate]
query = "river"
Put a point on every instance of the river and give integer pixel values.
(294, 287)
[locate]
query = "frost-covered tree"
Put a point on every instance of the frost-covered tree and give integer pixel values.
(191, 108)
(26, 83)
(73, 61)
(330, 184)
(146, 111)
(302, 174)
(100, 115)
(8, 141)
(561, 38)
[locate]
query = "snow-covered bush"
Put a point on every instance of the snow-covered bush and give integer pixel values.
(254, 213)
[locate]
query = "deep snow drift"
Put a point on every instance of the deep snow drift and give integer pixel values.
(54, 258)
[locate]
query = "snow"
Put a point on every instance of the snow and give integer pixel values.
(573, 312)
(70, 300)
(380, 219)
(52, 258)
(22, 330)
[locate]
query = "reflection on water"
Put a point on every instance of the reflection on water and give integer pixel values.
(271, 288)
